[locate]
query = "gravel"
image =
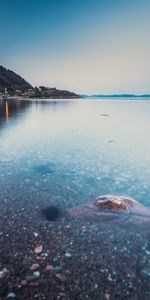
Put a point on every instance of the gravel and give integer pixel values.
(71, 258)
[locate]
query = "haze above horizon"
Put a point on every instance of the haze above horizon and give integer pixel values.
(86, 46)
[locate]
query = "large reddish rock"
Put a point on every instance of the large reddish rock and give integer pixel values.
(117, 203)
(112, 208)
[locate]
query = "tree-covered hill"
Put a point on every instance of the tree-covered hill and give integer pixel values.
(17, 86)
(11, 80)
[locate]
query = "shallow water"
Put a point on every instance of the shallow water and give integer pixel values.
(72, 151)
(65, 153)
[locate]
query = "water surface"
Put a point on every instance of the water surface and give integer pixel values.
(65, 153)
(75, 150)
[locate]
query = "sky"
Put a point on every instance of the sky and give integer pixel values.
(85, 46)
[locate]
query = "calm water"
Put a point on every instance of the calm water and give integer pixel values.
(65, 153)
(68, 152)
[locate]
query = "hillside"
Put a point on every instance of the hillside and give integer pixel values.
(11, 80)
(17, 86)
(52, 93)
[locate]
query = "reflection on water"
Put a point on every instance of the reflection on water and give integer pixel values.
(6, 111)
(11, 109)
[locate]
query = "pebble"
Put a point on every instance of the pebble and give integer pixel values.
(35, 234)
(23, 282)
(34, 267)
(109, 278)
(145, 274)
(33, 276)
(61, 277)
(38, 257)
(34, 284)
(58, 268)
(36, 274)
(68, 255)
(49, 268)
(3, 273)
(61, 295)
(44, 254)
(11, 296)
(67, 272)
(38, 249)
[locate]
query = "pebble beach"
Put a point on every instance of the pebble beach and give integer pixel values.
(71, 259)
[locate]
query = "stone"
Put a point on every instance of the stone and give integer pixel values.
(38, 249)
(3, 273)
(33, 276)
(68, 255)
(36, 274)
(58, 268)
(39, 258)
(67, 272)
(111, 208)
(23, 282)
(61, 295)
(11, 295)
(114, 202)
(49, 268)
(35, 234)
(5, 270)
(33, 284)
(109, 277)
(61, 277)
(145, 273)
(34, 267)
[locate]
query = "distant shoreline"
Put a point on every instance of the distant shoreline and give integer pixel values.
(117, 96)
(75, 99)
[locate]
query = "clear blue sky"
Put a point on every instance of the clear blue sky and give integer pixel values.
(87, 46)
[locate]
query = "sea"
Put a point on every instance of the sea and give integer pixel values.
(65, 153)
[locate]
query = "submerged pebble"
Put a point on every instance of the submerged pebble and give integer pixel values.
(33, 276)
(68, 255)
(61, 277)
(145, 273)
(58, 268)
(23, 282)
(38, 249)
(11, 295)
(34, 267)
(3, 273)
(49, 268)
